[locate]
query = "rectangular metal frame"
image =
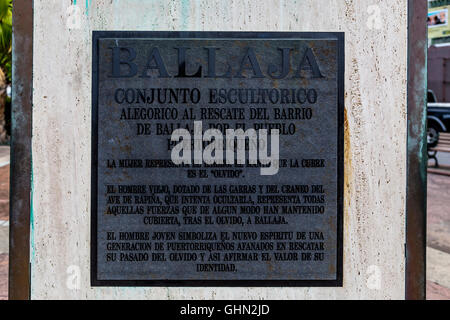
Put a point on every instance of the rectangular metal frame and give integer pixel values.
(339, 36)
(20, 181)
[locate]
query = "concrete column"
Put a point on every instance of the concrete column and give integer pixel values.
(375, 136)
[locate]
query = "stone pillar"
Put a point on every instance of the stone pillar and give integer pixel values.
(375, 135)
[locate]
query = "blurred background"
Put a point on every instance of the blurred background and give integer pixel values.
(438, 137)
(5, 131)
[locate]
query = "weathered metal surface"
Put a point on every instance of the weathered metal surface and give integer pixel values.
(218, 224)
(375, 134)
(20, 182)
(417, 152)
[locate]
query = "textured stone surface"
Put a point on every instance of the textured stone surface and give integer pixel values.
(375, 131)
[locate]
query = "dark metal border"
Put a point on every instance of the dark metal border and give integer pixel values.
(416, 185)
(339, 36)
(20, 181)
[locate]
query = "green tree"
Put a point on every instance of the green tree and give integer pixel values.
(5, 61)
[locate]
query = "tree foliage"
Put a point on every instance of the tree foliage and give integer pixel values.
(6, 37)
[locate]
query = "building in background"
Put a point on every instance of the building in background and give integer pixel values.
(439, 49)
(439, 72)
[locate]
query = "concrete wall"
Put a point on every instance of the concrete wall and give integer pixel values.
(375, 135)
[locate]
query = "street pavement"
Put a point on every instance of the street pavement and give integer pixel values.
(438, 230)
(438, 236)
(4, 221)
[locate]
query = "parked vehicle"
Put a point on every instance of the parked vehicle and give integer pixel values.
(438, 118)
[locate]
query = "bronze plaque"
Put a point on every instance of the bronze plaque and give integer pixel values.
(217, 159)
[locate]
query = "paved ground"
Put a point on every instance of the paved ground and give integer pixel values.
(437, 292)
(438, 278)
(438, 219)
